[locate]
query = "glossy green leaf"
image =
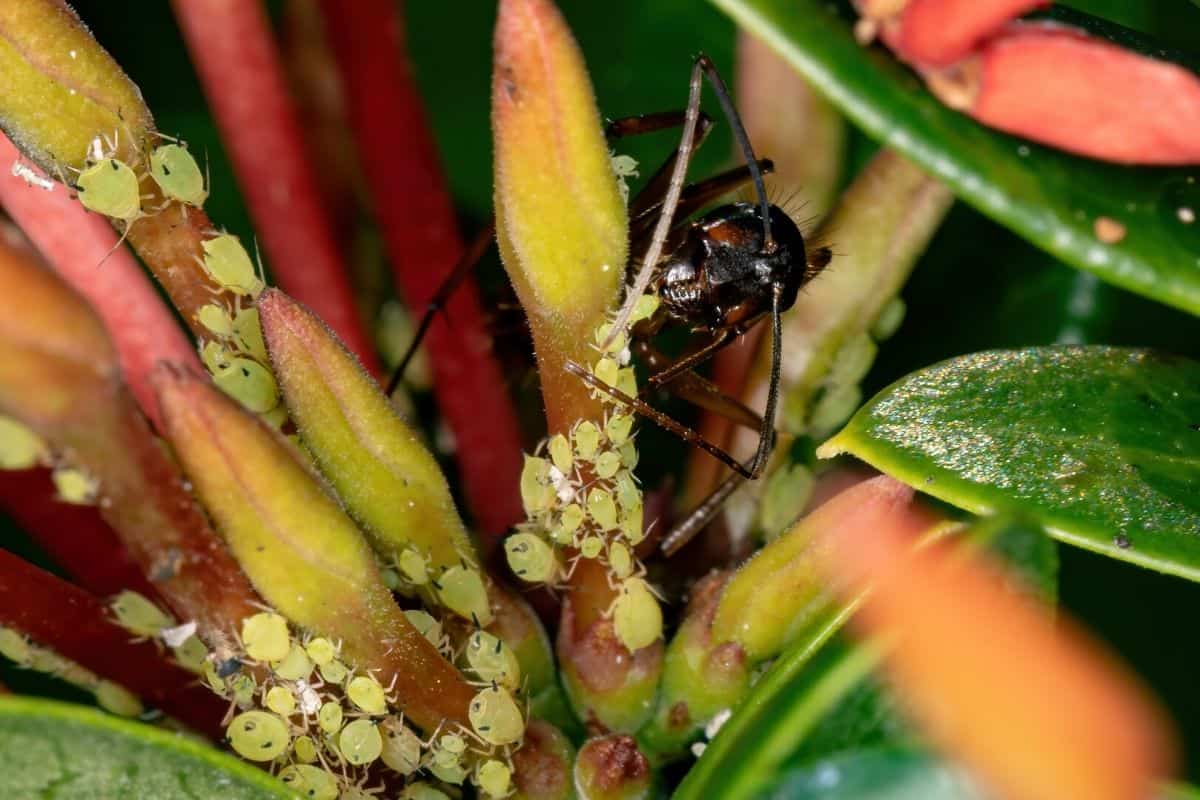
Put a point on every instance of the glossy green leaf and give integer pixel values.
(1100, 445)
(894, 774)
(56, 750)
(1051, 198)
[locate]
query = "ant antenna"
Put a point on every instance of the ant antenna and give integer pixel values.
(703, 67)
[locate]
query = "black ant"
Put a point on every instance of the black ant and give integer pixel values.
(723, 273)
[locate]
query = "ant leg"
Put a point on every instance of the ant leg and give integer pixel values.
(766, 436)
(461, 270)
(699, 391)
(703, 67)
(700, 516)
(690, 361)
(646, 410)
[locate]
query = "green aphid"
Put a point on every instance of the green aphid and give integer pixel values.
(560, 453)
(636, 614)
(608, 371)
(215, 356)
(366, 693)
(296, 665)
(572, 517)
(247, 327)
(586, 437)
(617, 428)
(626, 490)
(607, 464)
(310, 782)
(334, 672)
(75, 486)
(629, 455)
(602, 509)
(591, 547)
(494, 778)
(229, 265)
(265, 637)
(492, 660)
(320, 650)
(110, 187)
(248, 382)
(627, 382)
(496, 717)
(616, 345)
(243, 687)
(401, 747)
(280, 700)
(425, 624)
(305, 749)
(192, 654)
(414, 567)
(329, 717)
(632, 524)
(530, 558)
(537, 494)
(620, 560)
(136, 614)
(20, 447)
(360, 742)
(644, 308)
(258, 736)
(461, 590)
(449, 773)
(216, 319)
(178, 175)
(116, 699)
(423, 791)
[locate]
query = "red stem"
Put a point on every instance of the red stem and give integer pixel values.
(413, 206)
(79, 246)
(74, 536)
(76, 625)
(238, 63)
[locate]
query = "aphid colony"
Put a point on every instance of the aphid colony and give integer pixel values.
(299, 708)
(581, 498)
(234, 351)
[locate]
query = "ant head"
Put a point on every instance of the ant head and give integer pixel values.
(744, 269)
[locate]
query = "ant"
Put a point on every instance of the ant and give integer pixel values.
(723, 273)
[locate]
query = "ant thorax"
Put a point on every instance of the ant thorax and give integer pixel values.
(722, 276)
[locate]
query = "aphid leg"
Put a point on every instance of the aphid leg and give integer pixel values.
(699, 517)
(661, 419)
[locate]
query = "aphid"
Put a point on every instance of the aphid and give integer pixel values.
(309, 781)
(401, 747)
(496, 717)
(366, 693)
(20, 447)
(304, 749)
(492, 660)
(215, 356)
(586, 437)
(176, 172)
(243, 687)
(248, 382)
(258, 736)
(494, 778)
(15, 647)
(461, 590)
(560, 453)
(530, 558)
(607, 464)
(265, 637)
(446, 762)
(602, 508)
(229, 265)
(247, 327)
(138, 615)
(537, 492)
(617, 428)
(620, 560)
(330, 717)
(296, 665)
(191, 654)
(75, 486)
(360, 742)
(320, 650)
(413, 566)
(280, 700)
(591, 547)
(116, 699)
(632, 525)
(216, 319)
(422, 791)
(425, 624)
(636, 615)
(333, 671)
(110, 187)
(624, 167)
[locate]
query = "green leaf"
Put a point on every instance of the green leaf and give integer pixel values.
(52, 750)
(894, 774)
(1101, 445)
(1048, 197)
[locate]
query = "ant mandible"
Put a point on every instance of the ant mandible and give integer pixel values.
(723, 273)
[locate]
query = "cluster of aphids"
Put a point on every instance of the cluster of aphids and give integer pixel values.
(234, 351)
(583, 502)
(330, 731)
